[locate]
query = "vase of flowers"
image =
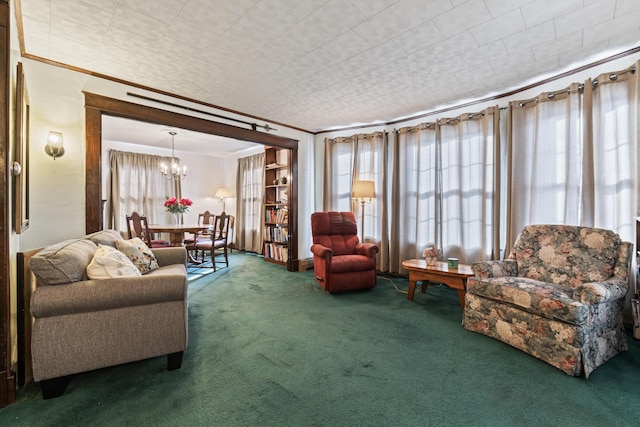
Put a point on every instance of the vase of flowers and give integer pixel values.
(177, 207)
(430, 254)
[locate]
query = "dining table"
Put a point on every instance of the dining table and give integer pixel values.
(177, 231)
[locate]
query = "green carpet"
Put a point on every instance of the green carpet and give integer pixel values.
(270, 348)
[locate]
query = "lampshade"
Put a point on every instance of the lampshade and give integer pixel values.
(54, 146)
(363, 190)
(221, 193)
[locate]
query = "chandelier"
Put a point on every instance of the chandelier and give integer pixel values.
(173, 170)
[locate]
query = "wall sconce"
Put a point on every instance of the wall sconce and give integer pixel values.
(54, 146)
(363, 191)
(222, 193)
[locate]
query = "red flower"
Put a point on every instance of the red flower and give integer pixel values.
(174, 206)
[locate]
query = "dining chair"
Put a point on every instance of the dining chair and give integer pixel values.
(232, 222)
(138, 226)
(216, 243)
(204, 218)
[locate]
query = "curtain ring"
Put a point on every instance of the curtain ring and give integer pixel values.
(613, 77)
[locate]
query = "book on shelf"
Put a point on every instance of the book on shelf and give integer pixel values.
(276, 215)
(276, 234)
(276, 252)
(282, 215)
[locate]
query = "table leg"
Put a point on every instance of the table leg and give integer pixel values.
(423, 288)
(412, 288)
(177, 239)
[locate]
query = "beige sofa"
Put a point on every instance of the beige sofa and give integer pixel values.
(81, 324)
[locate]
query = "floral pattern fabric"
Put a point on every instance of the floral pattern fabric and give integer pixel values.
(559, 296)
(139, 254)
(566, 254)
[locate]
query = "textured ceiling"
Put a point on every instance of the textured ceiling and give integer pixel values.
(320, 64)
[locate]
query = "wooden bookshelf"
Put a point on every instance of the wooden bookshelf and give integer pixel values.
(276, 224)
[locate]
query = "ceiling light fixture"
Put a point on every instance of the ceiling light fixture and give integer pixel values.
(173, 170)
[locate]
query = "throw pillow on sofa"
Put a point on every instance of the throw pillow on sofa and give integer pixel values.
(108, 263)
(64, 262)
(104, 237)
(139, 253)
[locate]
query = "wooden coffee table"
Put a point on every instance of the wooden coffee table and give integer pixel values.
(419, 271)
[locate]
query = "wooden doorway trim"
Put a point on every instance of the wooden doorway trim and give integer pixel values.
(97, 105)
(7, 379)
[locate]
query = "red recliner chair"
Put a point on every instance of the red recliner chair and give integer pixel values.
(340, 261)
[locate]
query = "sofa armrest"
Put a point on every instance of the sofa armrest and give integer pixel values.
(599, 292)
(170, 255)
(321, 251)
(495, 268)
(367, 249)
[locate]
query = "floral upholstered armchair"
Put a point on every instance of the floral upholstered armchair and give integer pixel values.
(558, 296)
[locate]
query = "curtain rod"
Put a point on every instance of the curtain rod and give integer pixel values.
(254, 126)
(594, 84)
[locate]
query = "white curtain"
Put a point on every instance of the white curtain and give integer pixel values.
(445, 188)
(135, 184)
(250, 206)
(573, 156)
(545, 167)
(338, 177)
(370, 164)
(360, 157)
(616, 175)
(413, 197)
(469, 188)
